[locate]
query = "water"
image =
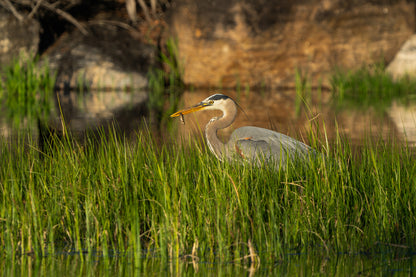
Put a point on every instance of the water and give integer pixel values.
(280, 111)
(388, 261)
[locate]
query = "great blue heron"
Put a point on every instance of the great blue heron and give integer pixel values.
(255, 144)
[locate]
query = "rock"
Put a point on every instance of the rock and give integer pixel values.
(261, 43)
(404, 63)
(109, 57)
(17, 37)
(101, 78)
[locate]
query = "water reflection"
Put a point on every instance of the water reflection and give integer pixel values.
(281, 110)
(404, 118)
(90, 110)
(390, 261)
(277, 110)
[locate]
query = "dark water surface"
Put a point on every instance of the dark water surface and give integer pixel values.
(390, 261)
(283, 111)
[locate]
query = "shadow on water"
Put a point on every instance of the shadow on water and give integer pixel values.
(387, 260)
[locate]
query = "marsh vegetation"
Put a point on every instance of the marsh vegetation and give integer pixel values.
(112, 194)
(157, 198)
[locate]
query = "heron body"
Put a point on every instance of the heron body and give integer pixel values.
(254, 144)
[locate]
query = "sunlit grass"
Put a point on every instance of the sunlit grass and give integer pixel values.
(26, 91)
(165, 85)
(371, 86)
(113, 194)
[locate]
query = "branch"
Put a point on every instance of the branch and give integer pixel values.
(9, 6)
(58, 11)
(153, 6)
(35, 9)
(145, 10)
(70, 18)
(131, 10)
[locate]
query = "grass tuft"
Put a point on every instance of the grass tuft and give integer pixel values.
(165, 85)
(27, 91)
(371, 86)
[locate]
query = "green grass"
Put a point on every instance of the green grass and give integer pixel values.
(26, 91)
(114, 194)
(110, 193)
(370, 86)
(165, 84)
(303, 91)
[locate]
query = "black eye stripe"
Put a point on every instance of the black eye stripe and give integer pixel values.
(218, 97)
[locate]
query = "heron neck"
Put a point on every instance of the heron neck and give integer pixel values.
(215, 144)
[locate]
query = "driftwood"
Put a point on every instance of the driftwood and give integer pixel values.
(148, 15)
(131, 9)
(9, 6)
(35, 5)
(149, 9)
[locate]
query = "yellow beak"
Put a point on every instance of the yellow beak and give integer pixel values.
(192, 109)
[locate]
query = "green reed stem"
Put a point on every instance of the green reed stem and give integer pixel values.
(114, 194)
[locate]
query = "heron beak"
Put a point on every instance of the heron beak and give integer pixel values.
(192, 109)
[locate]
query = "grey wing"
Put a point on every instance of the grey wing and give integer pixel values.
(254, 149)
(258, 144)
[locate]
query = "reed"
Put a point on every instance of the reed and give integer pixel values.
(161, 199)
(303, 90)
(26, 91)
(110, 194)
(370, 86)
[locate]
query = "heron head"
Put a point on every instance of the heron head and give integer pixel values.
(214, 102)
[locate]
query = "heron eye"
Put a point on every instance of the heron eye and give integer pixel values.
(211, 102)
